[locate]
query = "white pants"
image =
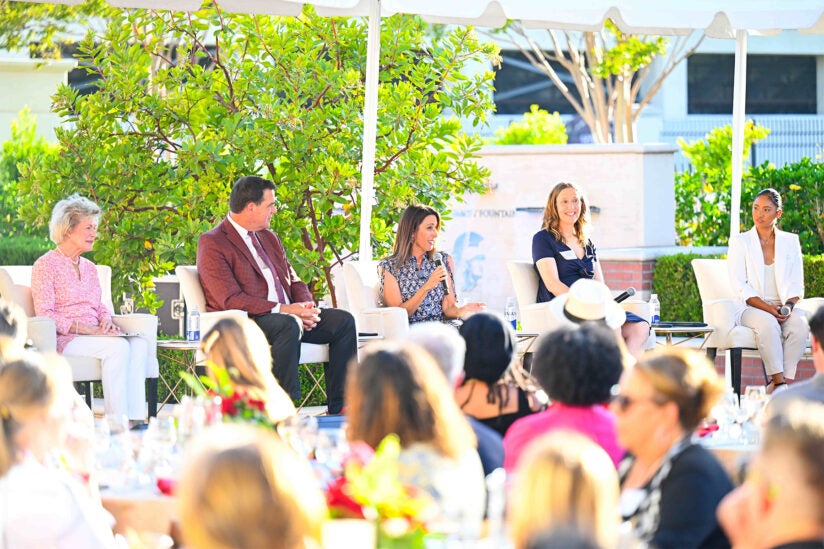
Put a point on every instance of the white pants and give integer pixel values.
(780, 345)
(124, 371)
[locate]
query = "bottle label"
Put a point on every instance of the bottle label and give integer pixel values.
(193, 335)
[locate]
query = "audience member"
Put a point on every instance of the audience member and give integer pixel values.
(46, 496)
(670, 486)
(485, 393)
(563, 253)
(577, 366)
(447, 347)
(242, 265)
(397, 388)
(241, 348)
(767, 274)
(781, 504)
(564, 481)
(65, 288)
(12, 324)
(811, 389)
(413, 279)
(243, 488)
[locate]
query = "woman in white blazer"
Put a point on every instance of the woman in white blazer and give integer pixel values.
(767, 273)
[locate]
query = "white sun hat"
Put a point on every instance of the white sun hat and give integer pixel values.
(588, 300)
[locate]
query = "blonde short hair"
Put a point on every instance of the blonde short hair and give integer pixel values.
(243, 488)
(564, 480)
(68, 213)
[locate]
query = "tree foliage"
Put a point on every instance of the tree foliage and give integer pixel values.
(537, 128)
(610, 70)
(42, 28)
(187, 103)
(702, 194)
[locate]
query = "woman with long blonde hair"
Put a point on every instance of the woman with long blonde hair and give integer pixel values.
(563, 253)
(243, 488)
(241, 348)
(564, 480)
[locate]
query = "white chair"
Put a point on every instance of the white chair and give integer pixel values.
(360, 296)
(15, 286)
(719, 305)
(310, 353)
(537, 317)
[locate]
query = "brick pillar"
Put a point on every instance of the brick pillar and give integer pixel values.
(619, 275)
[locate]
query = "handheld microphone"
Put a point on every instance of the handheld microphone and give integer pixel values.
(784, 310)
(626, 294)
(438, 258)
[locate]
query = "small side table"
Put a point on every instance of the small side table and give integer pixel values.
(686, 331)
(182, 353)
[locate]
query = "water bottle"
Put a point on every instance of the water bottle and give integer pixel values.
(511, 313)
(193, 325)
(655, 308)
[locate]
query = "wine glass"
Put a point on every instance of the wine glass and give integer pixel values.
(331, 447)
(300, 432)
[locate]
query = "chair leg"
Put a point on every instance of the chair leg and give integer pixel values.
(712, 352)
(764, 369)
(151, 392)
(735, 367)
(85, 388)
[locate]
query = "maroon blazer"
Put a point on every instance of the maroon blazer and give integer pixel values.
(232, 279)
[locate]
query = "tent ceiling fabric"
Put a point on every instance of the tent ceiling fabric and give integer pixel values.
(717, 18)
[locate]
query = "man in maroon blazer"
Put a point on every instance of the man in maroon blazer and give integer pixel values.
(242, 265)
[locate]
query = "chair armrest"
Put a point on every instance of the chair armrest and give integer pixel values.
(720, 314)
(638, 307)
(390, 322)
(146, 326)
(537, 317)
(43, 333)
(810, 304)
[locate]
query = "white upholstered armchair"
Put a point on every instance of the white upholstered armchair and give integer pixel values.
(15, 286)
(361, 298)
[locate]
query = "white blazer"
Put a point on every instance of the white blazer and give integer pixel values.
(745, 261)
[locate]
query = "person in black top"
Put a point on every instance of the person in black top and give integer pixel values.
(563, 253)
(670, 487)
(484, 393)
(781, 504)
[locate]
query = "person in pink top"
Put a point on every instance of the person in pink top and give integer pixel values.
(65, 288)
(577, 366)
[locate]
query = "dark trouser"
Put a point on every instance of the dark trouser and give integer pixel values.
(336, 327)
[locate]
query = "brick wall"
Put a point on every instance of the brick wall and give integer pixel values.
(619, 275)
(752, 372)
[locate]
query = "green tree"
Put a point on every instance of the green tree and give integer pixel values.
(702, 194)
(610, 70)
(189, 102)
(42, 28)
(24, 147)
(537, 128)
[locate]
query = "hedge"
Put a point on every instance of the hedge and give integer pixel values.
(674, 282)
(22, 250)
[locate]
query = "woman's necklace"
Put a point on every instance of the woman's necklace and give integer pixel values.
(75, 262)
(765, 240)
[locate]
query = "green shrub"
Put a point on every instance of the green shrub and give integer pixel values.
(802, 189)
(674, 282)
(538, 128)
(22, 250)
(814, 275)
(702, 195)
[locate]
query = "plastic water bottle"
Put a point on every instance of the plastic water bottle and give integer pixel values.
(511, 313)
(655, 308)
(193, 325)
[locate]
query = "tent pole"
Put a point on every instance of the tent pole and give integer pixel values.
(739, 97)
(370, 123)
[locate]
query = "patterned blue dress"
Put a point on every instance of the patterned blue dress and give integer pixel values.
(410, 279)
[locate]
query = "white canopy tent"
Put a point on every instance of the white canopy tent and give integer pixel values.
(733, 19)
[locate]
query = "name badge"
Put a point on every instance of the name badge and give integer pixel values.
(569, 255)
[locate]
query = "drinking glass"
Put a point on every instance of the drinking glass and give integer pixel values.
(300, 432)
(331, 447)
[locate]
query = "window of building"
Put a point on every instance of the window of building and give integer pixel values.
(776, 84)
(518, 85)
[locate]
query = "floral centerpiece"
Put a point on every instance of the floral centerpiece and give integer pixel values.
(236, 403)
(370, 488)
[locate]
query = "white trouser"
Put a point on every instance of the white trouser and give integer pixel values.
(124, 371)
(780, 344)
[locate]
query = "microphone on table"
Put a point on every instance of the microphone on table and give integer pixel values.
(626, 294)
(438, 258)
